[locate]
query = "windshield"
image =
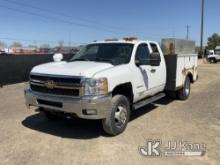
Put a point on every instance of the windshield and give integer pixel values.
(217, 52)
(114, 53)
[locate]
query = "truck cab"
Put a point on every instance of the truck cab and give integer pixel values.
(214, 55)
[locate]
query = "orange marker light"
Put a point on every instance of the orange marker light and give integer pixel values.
(130, 38)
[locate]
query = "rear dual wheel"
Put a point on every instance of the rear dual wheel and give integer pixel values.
(184, 93)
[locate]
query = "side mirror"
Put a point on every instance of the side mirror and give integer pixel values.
(155, 59)
(57, 57)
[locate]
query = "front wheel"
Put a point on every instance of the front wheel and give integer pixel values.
(212, 60)
(116, 121)
(184, 93)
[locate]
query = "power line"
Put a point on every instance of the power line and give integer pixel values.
(66, 21)
(56, 19)
(95, 23)
(106, 28)
(65, 15)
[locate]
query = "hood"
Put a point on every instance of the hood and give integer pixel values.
(211, 55)
(76, 68)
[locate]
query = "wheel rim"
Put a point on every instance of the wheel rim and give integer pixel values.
(187, 88)
(120, 116)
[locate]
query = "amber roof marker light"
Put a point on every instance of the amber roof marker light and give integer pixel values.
(130, 38)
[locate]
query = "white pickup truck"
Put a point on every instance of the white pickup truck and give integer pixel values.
(108, 79)
(214, 56)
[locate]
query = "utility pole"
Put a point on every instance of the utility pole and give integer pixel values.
(187, 32)
(202, 28)
(70, 39)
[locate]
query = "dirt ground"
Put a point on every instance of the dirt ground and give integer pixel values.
(26, 137)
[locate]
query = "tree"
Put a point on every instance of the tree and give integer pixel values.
(213, 41)
(16, 44)
(2, 44)
(60, 44)
(32, 46)
(45, 46)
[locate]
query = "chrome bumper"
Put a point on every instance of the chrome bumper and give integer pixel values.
(101, 105)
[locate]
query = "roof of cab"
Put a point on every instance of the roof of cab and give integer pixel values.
(131, 40)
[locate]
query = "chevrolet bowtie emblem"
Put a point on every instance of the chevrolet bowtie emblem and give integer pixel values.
(49, 84)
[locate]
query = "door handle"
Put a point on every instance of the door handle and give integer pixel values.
(153, 70)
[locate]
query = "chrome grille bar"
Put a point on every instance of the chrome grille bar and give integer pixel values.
(55, 86)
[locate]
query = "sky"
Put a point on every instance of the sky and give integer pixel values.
(82, 21)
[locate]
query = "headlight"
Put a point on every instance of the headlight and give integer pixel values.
(95, 86)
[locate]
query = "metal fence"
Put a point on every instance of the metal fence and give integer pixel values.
(16, 69)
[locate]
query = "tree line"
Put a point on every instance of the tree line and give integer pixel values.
(213, 41)
(19, 45)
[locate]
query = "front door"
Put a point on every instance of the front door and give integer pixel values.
(142, 77)
(149, 80)
(157, 73)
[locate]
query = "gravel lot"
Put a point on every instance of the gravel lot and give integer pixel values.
(26, 137)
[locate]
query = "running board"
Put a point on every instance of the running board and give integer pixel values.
(148, 100)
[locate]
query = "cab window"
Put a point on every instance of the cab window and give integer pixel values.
(143, 54)
(154, 48)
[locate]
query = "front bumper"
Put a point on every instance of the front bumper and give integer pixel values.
(101, 105)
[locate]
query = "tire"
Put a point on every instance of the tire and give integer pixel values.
(117, 120)
(184, 93)
(212, 60)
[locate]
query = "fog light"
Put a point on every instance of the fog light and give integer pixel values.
(89, 112)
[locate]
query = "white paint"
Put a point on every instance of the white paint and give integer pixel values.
(75, 68)
(187, 62)
(215, 56)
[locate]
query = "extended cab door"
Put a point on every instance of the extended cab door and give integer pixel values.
(148, 80)
(157, 73)
(141, 76)
(142, 72)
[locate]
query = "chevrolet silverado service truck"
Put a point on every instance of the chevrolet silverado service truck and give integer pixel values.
(108, 79)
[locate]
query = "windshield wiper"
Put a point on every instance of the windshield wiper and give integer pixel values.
(104, 60)
(80, 59)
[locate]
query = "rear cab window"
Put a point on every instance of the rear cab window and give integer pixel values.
(143, 54)
(155, 49)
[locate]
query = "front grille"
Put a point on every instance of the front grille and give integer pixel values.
(63, 79)
(65, 86)
(56, 91)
